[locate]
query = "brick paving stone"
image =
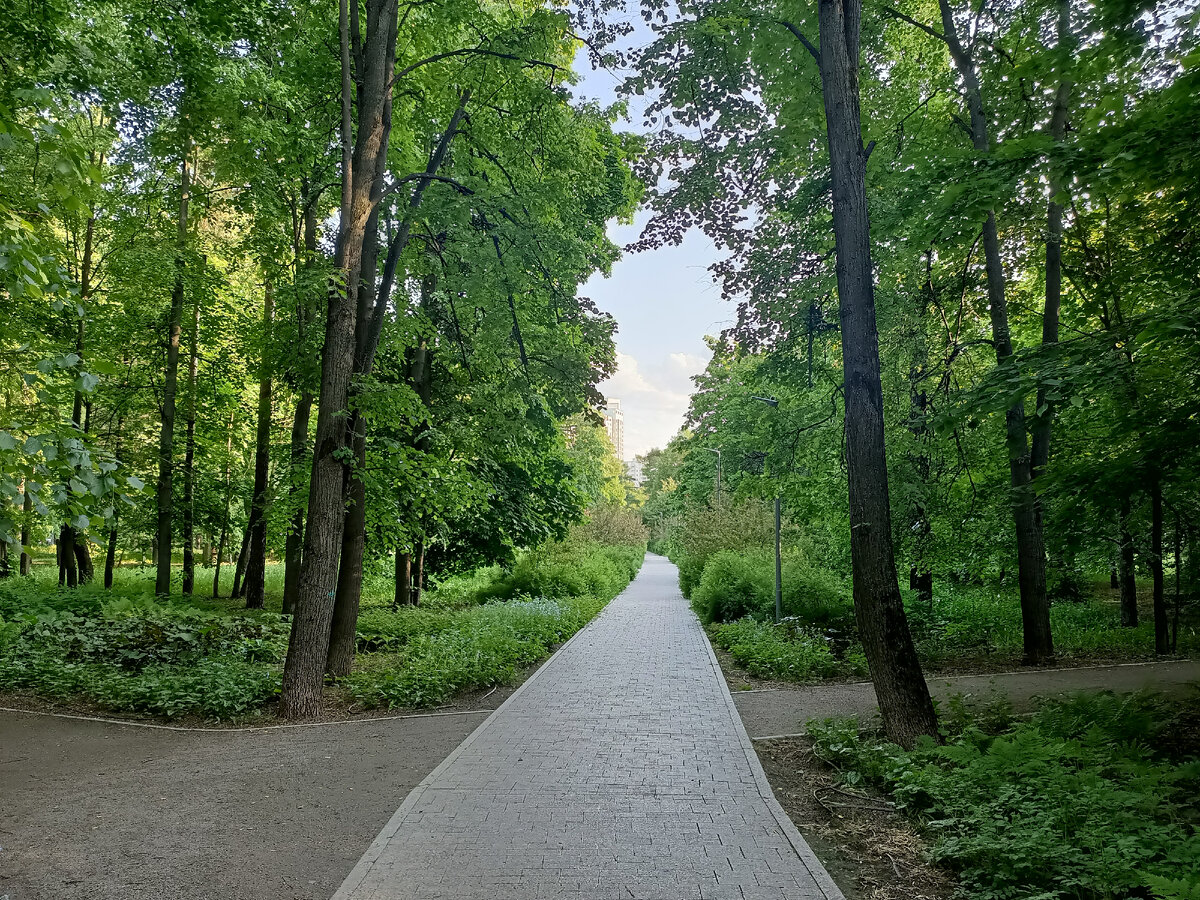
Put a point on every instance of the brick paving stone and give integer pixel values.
(619, 771)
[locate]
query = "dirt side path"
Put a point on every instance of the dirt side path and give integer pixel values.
(90, 809)
(785, 709)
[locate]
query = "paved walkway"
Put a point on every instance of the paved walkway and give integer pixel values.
(772, 713)
(620, 770)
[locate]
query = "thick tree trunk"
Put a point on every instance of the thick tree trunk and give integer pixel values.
(256, 565)
(1027, 520)
(344, 625)
(1162, 633)
(86, 572)
(166, 437)
(189, 458)
(1126, 577)
(403, 579)
(904, 699)
(308, 646)
(68, 575)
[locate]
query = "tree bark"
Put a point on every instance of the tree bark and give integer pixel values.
(166, 437)
(1126, 577)
(110, 556)
(1162, 634)
(189, 458)
(1044, 413)
(68, 575)
(256, 565)
(27, 508)
(308, 645)
(239, 570)
(85, 571)
(418, 571)
(216, 588)
(1026, 511)
(294, 549)
(403, 579)
(903, 696)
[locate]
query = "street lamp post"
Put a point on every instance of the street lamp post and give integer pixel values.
(773, 403)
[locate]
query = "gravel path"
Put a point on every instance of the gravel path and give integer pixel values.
(784, 711)
(91, 810)
(620, 769)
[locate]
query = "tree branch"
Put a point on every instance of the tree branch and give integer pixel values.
(929, 30)
(816, 55)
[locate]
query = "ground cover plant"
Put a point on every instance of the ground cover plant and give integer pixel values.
(1092, 797)
(123, 650)
(965, 627)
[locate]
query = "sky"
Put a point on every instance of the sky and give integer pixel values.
(665, 302)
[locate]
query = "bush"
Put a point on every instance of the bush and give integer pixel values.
(1076, 802)
(734, 585)
(486, 646)
(438, 654)
(785, 651)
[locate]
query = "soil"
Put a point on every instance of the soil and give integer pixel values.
(870, 849)
(128, 813)
(782, 708)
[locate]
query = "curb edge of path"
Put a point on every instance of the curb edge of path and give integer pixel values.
(367, 862)
(820, 875)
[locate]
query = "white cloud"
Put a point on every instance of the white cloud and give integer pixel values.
(654, 397)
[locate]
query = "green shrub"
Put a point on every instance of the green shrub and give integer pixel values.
(734, 585)
(487, 646)
(1074, 803)
(785, 651)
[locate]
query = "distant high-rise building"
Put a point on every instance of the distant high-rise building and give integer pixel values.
(614, 424)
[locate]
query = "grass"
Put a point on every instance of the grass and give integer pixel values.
(126, 651)
(1091, 798)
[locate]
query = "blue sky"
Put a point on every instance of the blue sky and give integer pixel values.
(665, 302)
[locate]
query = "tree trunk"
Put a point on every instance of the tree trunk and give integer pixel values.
(1044, 413)
(308, 645)
(1126, 577)
(83, 558)
(344, 626)
(1162, 634)
(216, 589)
(294, 550)
(1026, 511)
(239, 571)
(256, 565)
(68, 575)
(166, 437)
(418, 571)
(110, 557)
(189, 458)
(403, 579)
(1178, 581)
(904, 700)
(27, 508)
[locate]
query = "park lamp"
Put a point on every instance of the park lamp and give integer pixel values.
(770, 401)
